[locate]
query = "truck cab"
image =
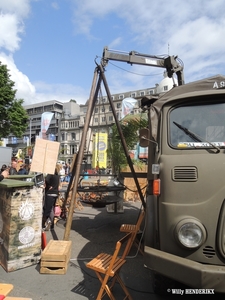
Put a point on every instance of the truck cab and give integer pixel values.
(185, 204)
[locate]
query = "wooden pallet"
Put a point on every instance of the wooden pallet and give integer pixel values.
(55, 257)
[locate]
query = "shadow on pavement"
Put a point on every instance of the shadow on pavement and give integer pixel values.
(100, 230)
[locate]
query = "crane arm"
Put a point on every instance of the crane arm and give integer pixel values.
(170, 63)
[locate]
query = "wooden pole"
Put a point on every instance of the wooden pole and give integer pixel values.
(79, 157)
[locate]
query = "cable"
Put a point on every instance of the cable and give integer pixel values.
(134, 72)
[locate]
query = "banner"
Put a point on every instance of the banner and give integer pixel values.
(99, 157)
(45, 122)
(128, 105)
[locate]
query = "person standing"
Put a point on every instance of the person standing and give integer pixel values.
(61, 172)
(52, 183)
(68, 174)
(13, 168)
(22, 170)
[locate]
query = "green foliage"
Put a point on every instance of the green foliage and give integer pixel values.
(130, 126)
(13, 117)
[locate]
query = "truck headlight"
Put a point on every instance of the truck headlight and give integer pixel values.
(190, 233)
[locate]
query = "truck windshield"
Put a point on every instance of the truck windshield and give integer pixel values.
(206, 121)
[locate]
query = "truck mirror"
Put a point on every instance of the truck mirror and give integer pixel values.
(144, 137)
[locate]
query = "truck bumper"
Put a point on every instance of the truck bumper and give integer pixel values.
(189, 272)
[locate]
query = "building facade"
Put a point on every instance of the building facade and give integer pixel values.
(69, 118)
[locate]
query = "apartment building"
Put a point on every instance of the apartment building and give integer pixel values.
(69, 118)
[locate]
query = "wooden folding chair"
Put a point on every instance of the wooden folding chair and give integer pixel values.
(5, 289)
(108, 266)
(134, 229)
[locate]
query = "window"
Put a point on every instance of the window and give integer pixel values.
(64, 136)
(165, 88)
(73, 136)
(96, 109)
(121, 97)
(63, 149)
(111, 118)
(118, 105)
(133, 95)
(29, 111)
(110, 108)
(103, 119)
(48, 108)
(142, 93)
(73, 149)
(103, 109)
(96, 120)
(206, 123)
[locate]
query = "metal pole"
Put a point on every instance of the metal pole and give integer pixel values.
(30, 132)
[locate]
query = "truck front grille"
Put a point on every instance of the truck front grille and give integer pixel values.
(184, 174)
(209, 252)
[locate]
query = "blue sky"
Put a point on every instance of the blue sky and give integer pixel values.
(50, 46)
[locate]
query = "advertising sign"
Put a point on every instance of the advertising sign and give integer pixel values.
(100, 150)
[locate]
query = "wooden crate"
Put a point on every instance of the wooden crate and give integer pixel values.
(55, 257)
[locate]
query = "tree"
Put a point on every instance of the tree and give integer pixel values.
(130, 126)
(13, 117)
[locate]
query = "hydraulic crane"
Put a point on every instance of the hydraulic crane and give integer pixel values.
(171, 63)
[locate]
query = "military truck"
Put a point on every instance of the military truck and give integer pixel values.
(185, 204)
(184, 230)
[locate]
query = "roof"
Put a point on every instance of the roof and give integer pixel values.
(207, 86)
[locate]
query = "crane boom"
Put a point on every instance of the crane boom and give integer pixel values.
(170, 63)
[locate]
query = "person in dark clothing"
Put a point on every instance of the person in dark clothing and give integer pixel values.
(51, 194)
(13, 170)
(22, 170)
(4, 174)
(3, 168)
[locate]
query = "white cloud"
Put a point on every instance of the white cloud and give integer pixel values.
(194, 31)
(9, 32)
(60, 92)
(115, 43)
(11, 19)
(22, 83)
(19, 7)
